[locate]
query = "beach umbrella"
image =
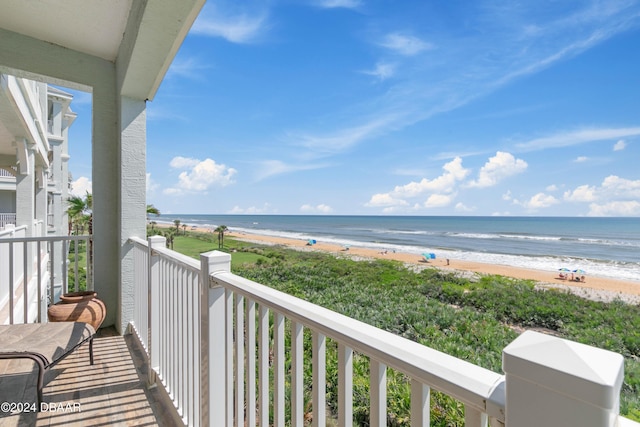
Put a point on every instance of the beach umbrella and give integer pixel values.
(564, 269)
(429, 255)
(579, 274)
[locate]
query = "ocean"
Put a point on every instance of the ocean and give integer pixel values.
(604, 247)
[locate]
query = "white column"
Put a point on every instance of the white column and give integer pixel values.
(106, 189)
(41, 199)
(25, 186)
(60, 204)
(132, 196)
(556, 382)
(58, 184)
(61, 228)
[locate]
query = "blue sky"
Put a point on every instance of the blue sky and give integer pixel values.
(386, 107)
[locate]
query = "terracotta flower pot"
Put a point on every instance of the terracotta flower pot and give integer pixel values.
(78, 307)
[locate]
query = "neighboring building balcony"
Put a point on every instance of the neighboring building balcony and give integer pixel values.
(7, 218)
(6, 174)
(223, 350)
(7, 180)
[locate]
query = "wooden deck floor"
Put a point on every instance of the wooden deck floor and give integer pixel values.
(112, 392)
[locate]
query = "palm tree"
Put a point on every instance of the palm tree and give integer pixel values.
(184, 229)
(177, 223)
(79, 212)
(152, 210)
(220, 230)
(169, 234)
(75, 210)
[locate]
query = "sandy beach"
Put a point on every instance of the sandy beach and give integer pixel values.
(596, 288)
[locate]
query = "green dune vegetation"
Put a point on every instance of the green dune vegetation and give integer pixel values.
(473, 321)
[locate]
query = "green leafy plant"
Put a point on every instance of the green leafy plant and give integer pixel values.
(473, 321)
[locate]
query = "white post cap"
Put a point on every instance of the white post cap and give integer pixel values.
(553, 381)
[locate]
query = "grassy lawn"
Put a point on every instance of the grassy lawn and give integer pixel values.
(193, 244)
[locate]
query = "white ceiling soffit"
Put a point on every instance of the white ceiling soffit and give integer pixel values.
(94, 27)
(154, 31)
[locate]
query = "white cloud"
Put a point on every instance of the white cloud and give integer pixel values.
(269, 168)
(616, 208)
(445, 183)
(583, 193)
(266, 208)
(382, 71)
(343, 139)
(539, 201)
(441, 189)
(81, 186)
(552, 187)
(190, 68)
(462, 72)
(151, 184)
(404, 44)
(566, 139)
(235, 27)
(321, 208)
(497, 168)
(332, 4)
(385, 200)
(200, 175)
(180, 162)
(461, 207)
(439, 200)
(620, 145)
(581, 159)
(614, 186)
(614, 197)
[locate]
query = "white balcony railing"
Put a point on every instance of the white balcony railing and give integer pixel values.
(7, 218)
(34, 272)
(216, 343)
(167, 322)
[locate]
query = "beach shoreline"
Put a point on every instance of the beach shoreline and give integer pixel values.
(595, 288)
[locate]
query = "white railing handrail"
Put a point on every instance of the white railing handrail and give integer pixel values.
(12, 231)
(469, 383)
(228, 359)
(180, 259)
(139, 242)
(43, 239)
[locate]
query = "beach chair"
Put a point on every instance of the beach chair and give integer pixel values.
(44, 343)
